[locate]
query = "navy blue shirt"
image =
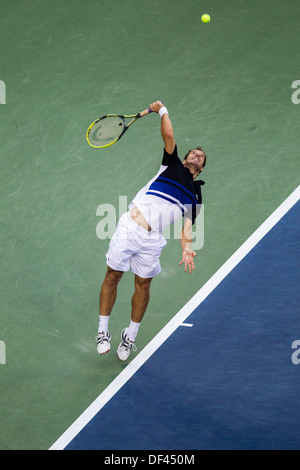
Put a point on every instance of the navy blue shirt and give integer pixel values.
(176, 185)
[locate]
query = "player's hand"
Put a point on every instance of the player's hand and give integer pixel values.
(188, 260)
(156, 106)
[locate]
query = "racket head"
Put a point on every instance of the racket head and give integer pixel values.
(105, 131)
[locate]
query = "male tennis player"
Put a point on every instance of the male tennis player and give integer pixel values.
(138, 240)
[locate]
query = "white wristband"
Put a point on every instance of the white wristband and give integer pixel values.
(163, 111)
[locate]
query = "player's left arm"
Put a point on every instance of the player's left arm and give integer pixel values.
(188, 254)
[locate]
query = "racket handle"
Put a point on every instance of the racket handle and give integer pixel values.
(146, 111)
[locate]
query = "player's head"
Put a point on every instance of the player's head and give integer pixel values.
(196, 158)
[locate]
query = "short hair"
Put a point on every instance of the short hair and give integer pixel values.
(201, 149)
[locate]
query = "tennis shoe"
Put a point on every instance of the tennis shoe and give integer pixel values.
(125, 347)
(103, 342)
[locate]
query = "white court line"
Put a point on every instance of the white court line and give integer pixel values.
(173, 324)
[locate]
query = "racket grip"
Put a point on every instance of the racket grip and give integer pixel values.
(146, 111)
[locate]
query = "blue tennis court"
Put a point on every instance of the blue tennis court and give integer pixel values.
(225, 378)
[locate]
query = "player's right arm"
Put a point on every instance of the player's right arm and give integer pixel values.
(166, 128)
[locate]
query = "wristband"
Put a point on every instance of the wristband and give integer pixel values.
(163, 111)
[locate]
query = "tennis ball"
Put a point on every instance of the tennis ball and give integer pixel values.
(205, 18)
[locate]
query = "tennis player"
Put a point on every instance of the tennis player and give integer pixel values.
(137, 243)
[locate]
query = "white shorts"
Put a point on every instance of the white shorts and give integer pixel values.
(134, 248)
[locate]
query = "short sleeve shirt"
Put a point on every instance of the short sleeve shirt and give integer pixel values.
(170, 194)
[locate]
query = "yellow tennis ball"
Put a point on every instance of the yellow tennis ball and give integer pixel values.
(205, 18)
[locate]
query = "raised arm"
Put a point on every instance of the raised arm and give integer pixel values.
(166, 127)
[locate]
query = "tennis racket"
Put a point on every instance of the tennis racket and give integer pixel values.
(108, 129)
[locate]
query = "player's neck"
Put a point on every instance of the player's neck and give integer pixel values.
(193, 170)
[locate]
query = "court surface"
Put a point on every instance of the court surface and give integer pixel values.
(230, 86)
(226, 377)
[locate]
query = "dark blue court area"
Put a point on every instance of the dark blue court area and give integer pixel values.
(229, 381)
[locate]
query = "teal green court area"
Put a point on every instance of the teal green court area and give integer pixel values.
(230, 86)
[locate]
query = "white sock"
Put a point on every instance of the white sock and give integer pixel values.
(133, 330)
(103, 323)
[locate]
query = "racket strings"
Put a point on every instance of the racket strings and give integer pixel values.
(106, 130)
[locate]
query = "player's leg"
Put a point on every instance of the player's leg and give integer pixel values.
(108, 291)
(139, 303)
(140, 298)
(108, 295)
(118, 261)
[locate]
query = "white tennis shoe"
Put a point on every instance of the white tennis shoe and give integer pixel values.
(125, 347)
(103, 342)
